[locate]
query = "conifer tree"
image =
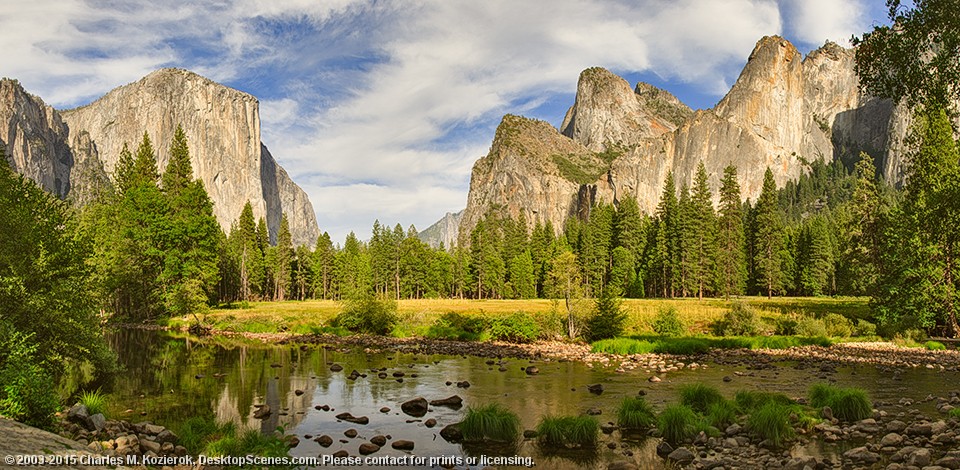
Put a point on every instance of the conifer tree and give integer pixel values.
(701, 234)
(666, 238)
(179, 171)
(731, 261)
(769, 239)
(124, 172)
(283, 260)
(145, 163)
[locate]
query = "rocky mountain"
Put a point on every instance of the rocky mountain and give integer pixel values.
(68, 152)
(783, 112)
(444, 231)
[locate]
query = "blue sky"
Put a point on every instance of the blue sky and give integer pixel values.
(379, 109)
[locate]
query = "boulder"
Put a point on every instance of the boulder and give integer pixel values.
(452, 401)
(402, 444)
(681, 456)
(451, 433)
(368, 448)
(416, 407)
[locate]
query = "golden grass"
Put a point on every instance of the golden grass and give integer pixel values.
(417, 314)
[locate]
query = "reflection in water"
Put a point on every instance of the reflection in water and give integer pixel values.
(174, 378)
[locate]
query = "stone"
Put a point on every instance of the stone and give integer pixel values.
(861, 455)
(664, 449)
(430, 423)
(681, 456)
(826, 413)
(451, 433)
(341, 454)
(595, 388)
(150, 446)
(167, 436)
(263, 411)
(401, 444)
(622, 465)
(324, 441)
(594, 411)
(353, 419)
(336, 368)
(368, 448)
(351, 433)
(78, 414)
(532, 370)
(96, 422)
(452, 401)
(416, 407)
(891, 439)
(379, 440)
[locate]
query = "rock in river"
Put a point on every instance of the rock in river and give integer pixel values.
(416, 407)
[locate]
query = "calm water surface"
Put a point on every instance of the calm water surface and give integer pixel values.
(173, 378)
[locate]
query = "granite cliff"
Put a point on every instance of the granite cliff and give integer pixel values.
(68, 152)
(783, 112)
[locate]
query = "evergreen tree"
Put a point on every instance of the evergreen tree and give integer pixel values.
(769, 239)
(666, 238)
(683, 258)
(323, 267)
(145, 164)
(283, 261)
(124, 173)
(731, 266)
(522, 277)
(816, 262)
(701, 234)
(565, 277)
(179, 172)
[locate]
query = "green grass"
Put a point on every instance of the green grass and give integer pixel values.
(696, 315)
(622, 346)
(954, 413)
(677, 423)
(204, 435)
(749, 400)
(492, 422)
(635, 413)
(934, 346)
(643, 344)
(847, 404)
(771, 421)
(568, 431)
(721, 414)
(699, 397)
(95, 401)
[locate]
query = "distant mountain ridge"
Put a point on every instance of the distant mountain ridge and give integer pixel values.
(70, 152)
(783, 112)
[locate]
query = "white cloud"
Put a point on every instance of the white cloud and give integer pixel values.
(814, 21)
(383, 106)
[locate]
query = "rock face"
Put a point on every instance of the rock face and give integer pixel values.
(783, 112)
(444, 231)
(71, 151)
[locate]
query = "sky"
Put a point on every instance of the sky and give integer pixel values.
(378, 109)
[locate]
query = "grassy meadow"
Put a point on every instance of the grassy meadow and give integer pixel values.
(416, 315)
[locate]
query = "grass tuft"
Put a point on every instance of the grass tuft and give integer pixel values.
(847, 404)
(749, 400)
(95, 401)
(492, 422)
(635, 413)
(677, 423)
(771, 422)
(934, 346)
(622, 346)
(568, 431)
(699, 397)
(954, 413)
(721, 414)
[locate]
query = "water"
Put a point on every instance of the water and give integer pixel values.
(168, 379)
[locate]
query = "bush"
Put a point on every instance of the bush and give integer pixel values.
(457, 326)
(491, 422)
(811, 327)
(608, 317)
(568, 431)
(740, 320)
(865, 328)
(787, 325)
(27, 392)
(635, 413)
(677, 423)
(699, 397)
(367, 314)
(749, 400)
(934, 346)
(847, 404)
(515, 328)
(667, 323)
(838, 326)
(771, 422)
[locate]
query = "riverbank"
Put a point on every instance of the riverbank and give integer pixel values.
(27, 446)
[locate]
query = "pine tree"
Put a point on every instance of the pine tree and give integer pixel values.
(864, 230)
(124, 173)
(323, 266)
(145, 163)
(522, 277)
(731, 265)
(683, 258)
(701, 234)
(179, 172)
(283, 260)
(769, 238)
(666, 238)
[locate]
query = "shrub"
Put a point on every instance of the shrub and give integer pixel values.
(847, 404)
(740, 320)
(492, 422)
(787, 325)
(771, 422)
(837, 326)
(667, 323)
(623, 346)
(568, 431)
(865, 328)
(699, 397)
(721, 414)
(457, 326)
(608, 317)
(677, 423)
(635, 413)
(934, 346)
(811, 327)
(517, 327)
(367, 314)
(95, 401)
(27, 392)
